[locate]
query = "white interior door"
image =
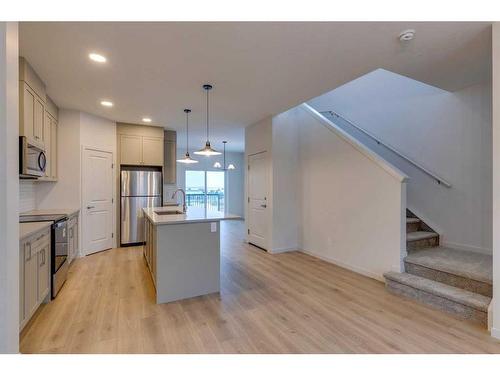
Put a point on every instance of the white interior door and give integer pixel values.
(97, 193)
(257, 200)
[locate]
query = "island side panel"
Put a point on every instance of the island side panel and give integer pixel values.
(187, 261)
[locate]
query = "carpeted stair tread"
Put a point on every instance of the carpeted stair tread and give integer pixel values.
(461, 296)
(420, 235)
(412, 220)
(466, 264)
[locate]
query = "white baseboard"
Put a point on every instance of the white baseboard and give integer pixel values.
(458, 246)
(283, 250)
(495, 332)
(339, 263)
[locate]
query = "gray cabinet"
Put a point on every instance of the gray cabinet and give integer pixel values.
(170, 157)
(30, 280)
(149, 248)
(73, 233)
(31, 113)
(141, 150)
(49, 138)
(43, 270)
(32, 102)
(34, 273)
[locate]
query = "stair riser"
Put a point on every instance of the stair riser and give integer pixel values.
(422, 244)
(443, 304)
(450, 279)
(412, 227)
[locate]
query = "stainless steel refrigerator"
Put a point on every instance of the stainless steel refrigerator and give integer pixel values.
(140, 188)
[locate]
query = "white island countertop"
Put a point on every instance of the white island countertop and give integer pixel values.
(193, 215)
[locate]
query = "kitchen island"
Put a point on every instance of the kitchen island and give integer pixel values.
(182, 251)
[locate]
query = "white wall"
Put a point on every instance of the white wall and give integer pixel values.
(352, 203)
(320, 182)
(447, 133)
(9, 188)
(286, 178)
(234, 178)
(76, 130)
(97, 132)
(495, 329)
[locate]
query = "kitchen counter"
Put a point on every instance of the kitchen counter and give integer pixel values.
(57, 211)
(28, 229)
(193, 215)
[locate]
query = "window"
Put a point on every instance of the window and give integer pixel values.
(205, 189)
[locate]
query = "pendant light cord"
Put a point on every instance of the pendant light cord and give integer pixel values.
(187, 132)
(207, 112)
(224, 156)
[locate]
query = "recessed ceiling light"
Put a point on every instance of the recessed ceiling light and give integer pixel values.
(407, 35)
(106, 103)
(97, 58)
(146, 119)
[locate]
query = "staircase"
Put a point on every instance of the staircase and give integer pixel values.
(458, 282)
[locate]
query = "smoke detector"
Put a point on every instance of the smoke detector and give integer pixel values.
(407, 35)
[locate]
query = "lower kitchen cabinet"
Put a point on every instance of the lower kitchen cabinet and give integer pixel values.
(149, 248)
(73, 233)
(43, 270)
(34, 273)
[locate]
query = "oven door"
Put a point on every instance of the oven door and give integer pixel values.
(60, 244)
(32, 158)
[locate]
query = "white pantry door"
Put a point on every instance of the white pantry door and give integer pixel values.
(257, 200)
(97, 193)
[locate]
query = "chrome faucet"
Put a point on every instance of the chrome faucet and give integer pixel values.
(184, 208)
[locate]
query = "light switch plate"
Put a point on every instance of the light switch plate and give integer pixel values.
(213, 227)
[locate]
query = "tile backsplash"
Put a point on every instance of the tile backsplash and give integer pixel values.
(27, 199)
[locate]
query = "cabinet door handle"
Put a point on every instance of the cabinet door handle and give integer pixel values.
(90, 207)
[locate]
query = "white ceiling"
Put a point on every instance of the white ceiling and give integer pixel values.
(257, 69)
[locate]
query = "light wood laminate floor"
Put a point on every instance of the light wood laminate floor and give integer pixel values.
(285, 303)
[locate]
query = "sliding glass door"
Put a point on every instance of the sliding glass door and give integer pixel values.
(205, 189)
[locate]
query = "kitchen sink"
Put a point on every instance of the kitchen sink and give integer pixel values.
(169, 212)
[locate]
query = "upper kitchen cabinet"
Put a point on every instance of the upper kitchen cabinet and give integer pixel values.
(130, 149)
(32, 101)
(170, 157)
(140, 145)
(152, 151)
(38, 116)
(50, 140)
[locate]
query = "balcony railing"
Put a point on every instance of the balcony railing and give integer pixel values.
(215, 201)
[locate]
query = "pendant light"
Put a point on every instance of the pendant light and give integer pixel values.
(207, 150)
(219, 166)
(187, 159)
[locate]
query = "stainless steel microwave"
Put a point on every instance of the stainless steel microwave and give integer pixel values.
(32, 159)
